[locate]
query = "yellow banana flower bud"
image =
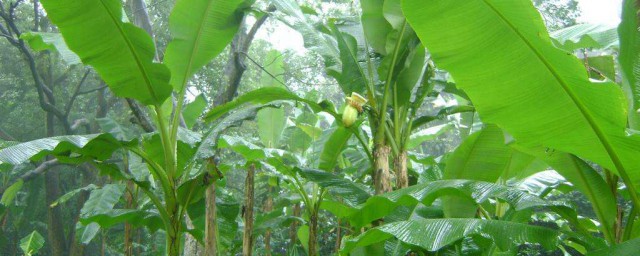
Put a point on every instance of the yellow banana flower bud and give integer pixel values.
(353, 107)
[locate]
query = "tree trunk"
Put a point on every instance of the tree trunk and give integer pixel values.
(128, 229)
(55, 229)
(191, 246)
(400, 166)
(382, 180)
(247, 237)
(76, 247)
(293, 229)
(173, 240)
(233, 73)
(211, 225)
(338, 236)
(268, 207)
(313, 231)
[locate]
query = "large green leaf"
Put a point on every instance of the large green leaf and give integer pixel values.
(94, 146)
(201, 29)
(333, 148)
(264, 96)
(290, 13)
(585, 36)
(271, 123)
(379, 206)
(352, 77)
(351, 192)
(409, 75)
(138, 218)
(120, 52)
(64, 198)
(483, 156)
(113, 127)
(539, 94)
(375, 26)
(433, 234)
(32, 243)
(629, 57)
(417, 138)
(628, 248)
(9, 194)
(40, 41)
(89, 232)
(186, 148)
(586, 180)
(102, 200)
(601, 67)
(194, 110)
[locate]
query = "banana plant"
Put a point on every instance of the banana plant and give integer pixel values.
(123, 55)
(388, 81)
(540, 95)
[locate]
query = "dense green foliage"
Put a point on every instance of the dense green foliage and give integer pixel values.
(396, 127)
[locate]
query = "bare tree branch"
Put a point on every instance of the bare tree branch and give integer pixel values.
(76, 92)
(140, 115)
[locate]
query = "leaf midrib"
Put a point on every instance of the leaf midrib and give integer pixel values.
(574, 98)
(136, 58)
(196, 44)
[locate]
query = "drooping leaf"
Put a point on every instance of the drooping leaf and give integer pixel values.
(351, 78)
(273, 70)
(194, 110)
(64, 198)
(102, 200)
(32, 243)
(410, 75)
(628, 248)
(392, 11)
(629, 57)
(90, 231)
(433, 234)
(431, 133)
(264, 96)
(248, 150)
(443, 113)
(119, 131)
(137, 218)
(333, 148)
(191, 191)
(210, 138)
(187, 141)
(93, 146)
(120, 52)
(539, 94)
(350, 191)
(41, 41)
(271, 123)
(542, 182)
(201, 29)
(11, 192)
(601, 67)
(289, 12)
(585, 35)
(585, 179)
(303, 236)
(376, 27)
(379, 206)
(483, 156)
